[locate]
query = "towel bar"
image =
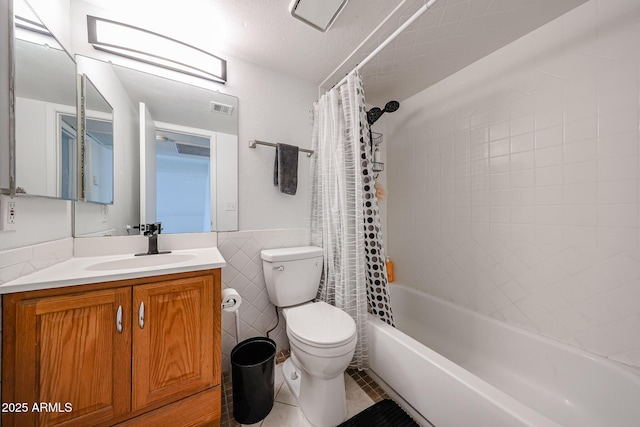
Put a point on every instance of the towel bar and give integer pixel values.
(254, 142)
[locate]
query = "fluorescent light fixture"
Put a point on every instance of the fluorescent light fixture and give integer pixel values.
(29, 28)
(26, 19)
(30, 25)
(320, 14)
(152, 48)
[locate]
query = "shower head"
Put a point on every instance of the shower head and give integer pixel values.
(374, 114)
(391, 106)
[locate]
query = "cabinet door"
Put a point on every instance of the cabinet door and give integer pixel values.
(173, 340)
(72, 354)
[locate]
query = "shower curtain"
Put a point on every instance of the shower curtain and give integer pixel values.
(345, 220)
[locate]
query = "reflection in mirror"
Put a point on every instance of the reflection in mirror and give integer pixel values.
(186, 138)
(45, 111)
(183, 181)
(98, 146)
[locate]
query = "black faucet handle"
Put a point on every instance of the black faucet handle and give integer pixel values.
(151, 229)
(156, 227)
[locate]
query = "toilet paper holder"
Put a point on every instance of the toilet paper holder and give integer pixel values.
(231, 301)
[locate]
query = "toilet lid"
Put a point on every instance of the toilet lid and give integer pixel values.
(320, 324)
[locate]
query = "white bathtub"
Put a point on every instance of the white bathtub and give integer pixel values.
(457, 368)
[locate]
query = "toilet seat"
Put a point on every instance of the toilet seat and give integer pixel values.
(320, 325)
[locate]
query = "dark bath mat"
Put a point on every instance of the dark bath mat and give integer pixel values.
(385, 413)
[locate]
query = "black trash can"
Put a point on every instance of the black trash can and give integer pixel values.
(252, 375)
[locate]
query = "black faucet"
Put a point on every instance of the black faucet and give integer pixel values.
(151, 231)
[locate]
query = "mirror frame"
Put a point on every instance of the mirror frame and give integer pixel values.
(12, 99)
(83, 81)
(80, 116)
(13, 185)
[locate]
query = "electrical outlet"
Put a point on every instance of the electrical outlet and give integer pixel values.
(8, 213)
(230, 206)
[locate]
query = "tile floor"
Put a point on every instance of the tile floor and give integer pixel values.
(362, 392)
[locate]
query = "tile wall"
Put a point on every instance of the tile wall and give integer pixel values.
(243, 272)
(19, 262)
(514, 184)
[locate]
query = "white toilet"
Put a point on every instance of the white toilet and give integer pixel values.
(322, 337)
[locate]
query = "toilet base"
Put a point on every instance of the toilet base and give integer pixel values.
(323, 402)
(291, 376)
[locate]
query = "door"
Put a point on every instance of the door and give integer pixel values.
(173, 340)
(147, 166)
(73, 355)
(183, 164)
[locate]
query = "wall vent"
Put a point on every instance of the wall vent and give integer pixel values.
(192, 150)
(217, 107)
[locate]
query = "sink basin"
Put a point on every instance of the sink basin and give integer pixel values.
(140, 262)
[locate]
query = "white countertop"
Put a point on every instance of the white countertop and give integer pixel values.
(86, 270)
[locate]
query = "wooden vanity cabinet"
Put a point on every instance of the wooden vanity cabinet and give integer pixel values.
(134, 352)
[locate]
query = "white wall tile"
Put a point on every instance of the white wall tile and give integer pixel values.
(581, 106)
(575, 173)
(618, 145)
(617, 238)
(499, 131)
(549, 137)
(579, 193)
(549, 116)
(549, 215)
(550, 225)
(549, 195)
(524, 142)
(523, 179)
(618, 168)
(549, 156)
(244, 273)
(579, 236)
(618, 215)
(526, 195)
(551, 175)
(581, 151)
(499, 181)
(581, 130)
(618, 191)
(520, 125)
(580, 215)
(621, 121)
(571, 319)
(523, 214)
(19, 262)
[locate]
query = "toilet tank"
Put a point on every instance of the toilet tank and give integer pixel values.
(292, 275)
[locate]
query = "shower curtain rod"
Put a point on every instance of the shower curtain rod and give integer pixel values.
(384, 21)
(389, 39)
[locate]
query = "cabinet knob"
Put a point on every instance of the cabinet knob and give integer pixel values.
(119, 320)
(141, 315)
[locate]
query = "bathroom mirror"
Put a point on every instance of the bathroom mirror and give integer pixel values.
(46, 141)
(97, 141)
(185, 141)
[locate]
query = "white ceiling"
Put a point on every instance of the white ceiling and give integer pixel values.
(451, 35)
(445, 39)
